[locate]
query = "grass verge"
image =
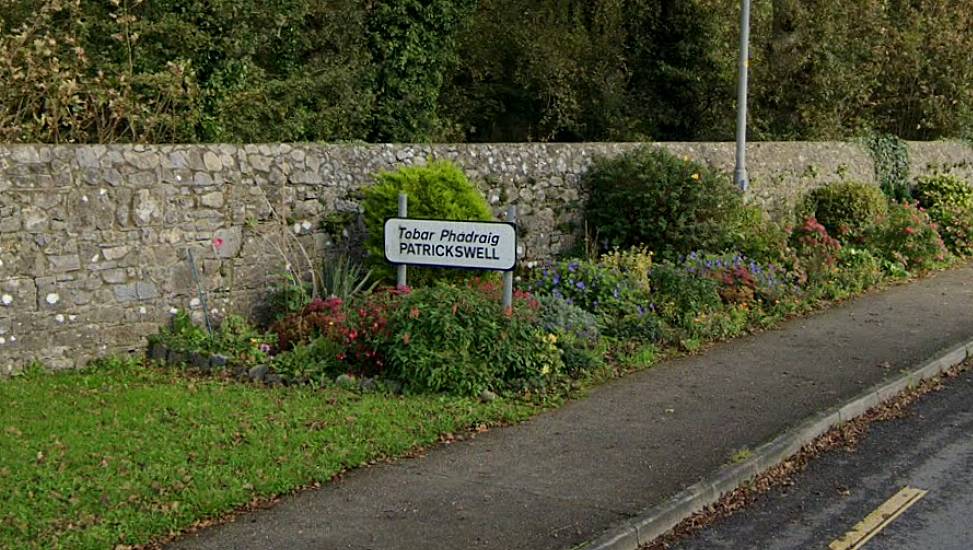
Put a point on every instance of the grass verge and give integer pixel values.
(124, 455)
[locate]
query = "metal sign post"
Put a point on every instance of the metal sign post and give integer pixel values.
(740, 173)
(508, 276)
(402, 277)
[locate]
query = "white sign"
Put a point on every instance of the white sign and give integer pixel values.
(441, 243)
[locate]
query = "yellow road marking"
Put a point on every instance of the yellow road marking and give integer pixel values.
(878, 520)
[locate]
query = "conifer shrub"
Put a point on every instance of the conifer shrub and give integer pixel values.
(438, 190)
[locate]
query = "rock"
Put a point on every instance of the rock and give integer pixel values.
(274, 380)
(199, 361)
(218, 361)
(487, 396)
(241, 373)
(258, 373)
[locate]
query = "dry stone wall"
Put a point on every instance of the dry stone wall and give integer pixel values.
(95, 240)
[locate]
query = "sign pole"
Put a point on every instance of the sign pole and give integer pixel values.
(508, 276)
(401, 279)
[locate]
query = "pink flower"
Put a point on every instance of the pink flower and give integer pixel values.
(909, 231)
(217, 243)
(265, 348)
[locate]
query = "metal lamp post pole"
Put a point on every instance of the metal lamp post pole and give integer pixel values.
(740, 173)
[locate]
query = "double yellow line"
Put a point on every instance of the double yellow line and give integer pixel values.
(878, 520)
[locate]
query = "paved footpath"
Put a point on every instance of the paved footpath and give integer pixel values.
(567, 476)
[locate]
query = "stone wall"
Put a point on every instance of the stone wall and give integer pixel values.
(94, 240)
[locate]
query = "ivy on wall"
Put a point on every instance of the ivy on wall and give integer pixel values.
(891, 157)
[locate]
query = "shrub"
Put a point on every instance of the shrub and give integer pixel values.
(846, 209)
(316, 362)
(561, 317)
(755, 235)
(321, 317)
(438, 190)
(635, 263)
(458, 340)
(816, 249)
(577, 331)
(939, 190)
(183, 335)
(671, 205)
(858, 270)
(949, 202)
(600, 289)
(679, 296)
(235, 338)
(955, 224)
(909, 237)
(361, 329)
(240, 341)
(740, 279)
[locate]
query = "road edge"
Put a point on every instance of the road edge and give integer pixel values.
(658, 520)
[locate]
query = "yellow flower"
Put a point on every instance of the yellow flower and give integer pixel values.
(695, 177)
(546, 370)
(552, 338)
(685, 158)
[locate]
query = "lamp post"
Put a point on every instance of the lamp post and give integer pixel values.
(740, 173)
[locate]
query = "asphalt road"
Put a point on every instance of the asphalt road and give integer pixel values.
(931, 449)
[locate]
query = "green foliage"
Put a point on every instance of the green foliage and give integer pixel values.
(438, 190)
(634, 263)
(907, 236)
(816, 249)
(858, 270)
(891, 157)
(943, 190)
(184, 335)
(458, 340)
(679, 297)
(846, 209)
(413, 43)
(289, 295)
(949, 203)
(756, 236)
(343, 278)
(577, 332)
(651, 197)
(316, 363)
(600, 289)
(491, 70)
(955, 226)
(561, 317)
(240, 341)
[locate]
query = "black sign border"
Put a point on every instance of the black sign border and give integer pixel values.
(441, 266)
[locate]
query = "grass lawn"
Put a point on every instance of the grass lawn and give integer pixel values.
(123, 454)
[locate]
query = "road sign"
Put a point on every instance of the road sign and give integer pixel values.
(444, 243)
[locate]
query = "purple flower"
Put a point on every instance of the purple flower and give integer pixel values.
(556, 280)
(265, 348)
(572, 267)
(580, 285)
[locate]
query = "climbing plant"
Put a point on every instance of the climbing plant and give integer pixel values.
(891, 158)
